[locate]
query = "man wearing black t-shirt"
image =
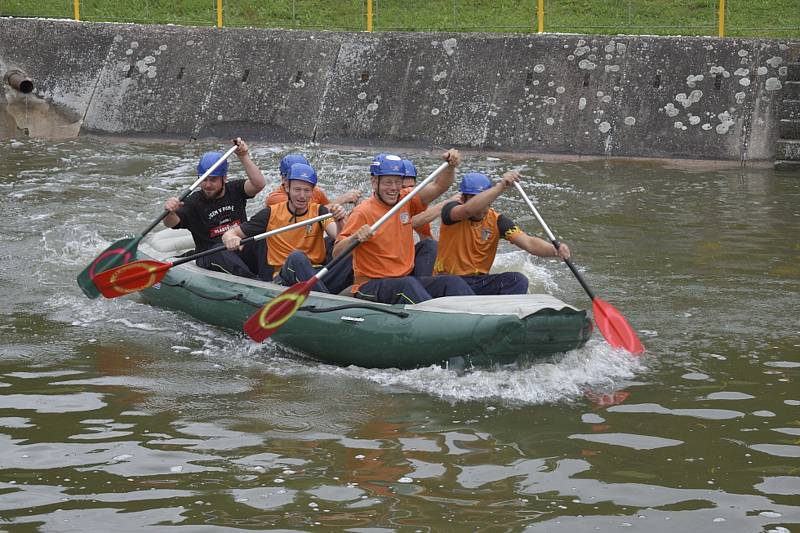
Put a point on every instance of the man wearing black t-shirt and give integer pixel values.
(218, 206)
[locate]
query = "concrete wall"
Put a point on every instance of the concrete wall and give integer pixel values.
(568, 94)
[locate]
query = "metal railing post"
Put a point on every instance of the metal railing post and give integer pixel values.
(369, 15)
(219, 13)
(76, 9)
(540, 15)
(722, 18)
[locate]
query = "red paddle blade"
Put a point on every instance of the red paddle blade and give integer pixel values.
(119, 253)
(132, 277)
(277, 311)
(607, 399)
(615, 328)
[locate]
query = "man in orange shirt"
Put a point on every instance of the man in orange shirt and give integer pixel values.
(296, 255)
(471, 231)
(383, 262)
(425, 249)
(279, 194)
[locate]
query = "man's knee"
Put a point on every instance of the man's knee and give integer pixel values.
(447, 285)
(456, 286)
(294, 257)
(227, 262)
(514, 283)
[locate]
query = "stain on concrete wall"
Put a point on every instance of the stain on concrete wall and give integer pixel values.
(570, 94)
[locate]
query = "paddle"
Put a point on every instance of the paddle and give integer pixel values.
(610, 322)
(139, 275)
(277, 311)
(123, 250)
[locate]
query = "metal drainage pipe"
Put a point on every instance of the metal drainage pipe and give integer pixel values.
(19, 81)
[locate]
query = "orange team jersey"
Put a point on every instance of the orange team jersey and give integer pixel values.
(467, 247)
(279, 195)
(423, 231)
(390, 252)
(307, 239)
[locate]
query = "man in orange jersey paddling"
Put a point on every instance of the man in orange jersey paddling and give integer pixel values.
(383, 262)
(278, 195)
(296, 255)
(471, 231)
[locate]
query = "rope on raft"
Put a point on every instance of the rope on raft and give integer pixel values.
(309, 308)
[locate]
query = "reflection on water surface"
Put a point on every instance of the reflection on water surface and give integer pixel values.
(116, 413)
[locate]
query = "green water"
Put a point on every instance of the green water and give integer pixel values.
(117, 416)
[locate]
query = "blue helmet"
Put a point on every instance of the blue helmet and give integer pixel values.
(474, 183)
(387, 165)
(207, 161)
(302, 172)
(409, 170)
(289, 160)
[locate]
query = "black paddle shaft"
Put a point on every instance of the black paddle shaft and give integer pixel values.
(555, 241)
(189, 190)
(258, 237)
(347, 251)
(574, 269)
(165, 213)
(210, 251)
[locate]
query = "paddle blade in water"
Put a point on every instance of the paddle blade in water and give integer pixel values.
(131, 277)
(117, 254)
(277, 311)
(615, 328)
(607, 399)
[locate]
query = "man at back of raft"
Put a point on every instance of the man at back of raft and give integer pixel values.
(296, 255)
(425, 249)
(471, 231)
(219, 205)
(383, 262)
(279, 194)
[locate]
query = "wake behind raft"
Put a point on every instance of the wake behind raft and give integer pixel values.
(473, 330)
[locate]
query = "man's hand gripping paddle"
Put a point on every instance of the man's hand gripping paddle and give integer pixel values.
(139, 275)
(122, 251)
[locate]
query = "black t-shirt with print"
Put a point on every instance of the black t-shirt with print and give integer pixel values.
(209, 219)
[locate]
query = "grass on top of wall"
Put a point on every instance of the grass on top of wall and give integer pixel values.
(744, 18)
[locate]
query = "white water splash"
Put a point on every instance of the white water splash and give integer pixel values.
(538, 271)
(553, 380)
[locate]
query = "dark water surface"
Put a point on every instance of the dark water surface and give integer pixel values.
(118, 416)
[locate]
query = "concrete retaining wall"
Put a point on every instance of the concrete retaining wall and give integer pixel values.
(568, 94)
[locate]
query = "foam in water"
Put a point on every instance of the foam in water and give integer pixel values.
(564, 378)
(73, 244)
(539, 271)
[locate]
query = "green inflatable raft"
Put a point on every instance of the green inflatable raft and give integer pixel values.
(341, 330)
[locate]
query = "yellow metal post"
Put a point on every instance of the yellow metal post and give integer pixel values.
(369, 15)
(722, 18)
(76, 9)
(540, 15)
(219, 13)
